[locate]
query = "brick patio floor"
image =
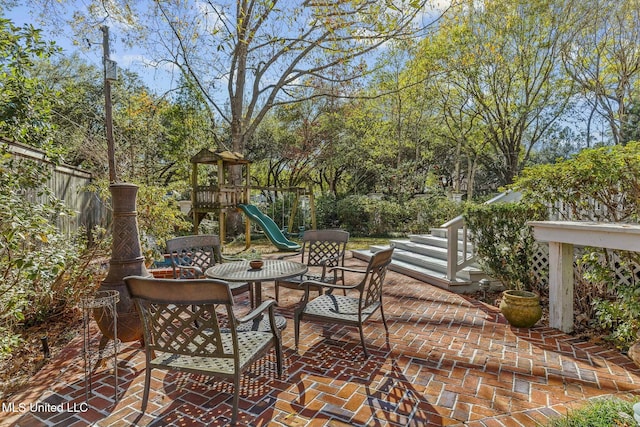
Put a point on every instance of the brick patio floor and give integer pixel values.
(448, 360)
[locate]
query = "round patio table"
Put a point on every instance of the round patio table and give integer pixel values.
(241, 271)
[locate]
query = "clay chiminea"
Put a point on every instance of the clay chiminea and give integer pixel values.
(126, 260)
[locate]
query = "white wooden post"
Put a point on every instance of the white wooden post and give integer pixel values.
(452, 252)
(562, 235)
(561, 286)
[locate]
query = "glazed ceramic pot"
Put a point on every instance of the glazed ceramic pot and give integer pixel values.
(521, 308)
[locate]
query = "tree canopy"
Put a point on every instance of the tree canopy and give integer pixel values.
(394, 97)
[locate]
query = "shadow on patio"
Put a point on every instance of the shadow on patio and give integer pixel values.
(448, 360)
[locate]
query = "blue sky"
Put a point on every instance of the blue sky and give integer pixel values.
(158, 80)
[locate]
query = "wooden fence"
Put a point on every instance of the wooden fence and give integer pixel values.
(69, 184)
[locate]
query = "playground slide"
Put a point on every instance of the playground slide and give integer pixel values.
(270, 228)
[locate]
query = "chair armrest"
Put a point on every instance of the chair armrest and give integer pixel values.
(196, 271)
(351, 270)
(258, 311)
(307, 283)
(289, 255)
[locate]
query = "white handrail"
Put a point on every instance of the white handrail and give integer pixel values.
(456, 263)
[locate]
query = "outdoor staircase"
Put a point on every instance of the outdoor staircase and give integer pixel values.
(424, 257)
(444, 258)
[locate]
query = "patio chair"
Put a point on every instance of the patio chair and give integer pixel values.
(193, 328)
(347, 310)
(321, 250)
(191, 256)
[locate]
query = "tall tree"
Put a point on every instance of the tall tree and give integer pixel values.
(25, 100)
(245, 56)
(602, 56)
(505, 55)
(78, 116)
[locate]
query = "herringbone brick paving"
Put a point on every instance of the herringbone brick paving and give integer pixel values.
(448, 360)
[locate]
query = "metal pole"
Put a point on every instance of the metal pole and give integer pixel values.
(108, 118)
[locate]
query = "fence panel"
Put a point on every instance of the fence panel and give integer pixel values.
(69, 184)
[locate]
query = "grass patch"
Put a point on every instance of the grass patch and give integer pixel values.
(605, 412)
(260, 243)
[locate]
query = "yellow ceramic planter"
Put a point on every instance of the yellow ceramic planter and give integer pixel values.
(521, 308)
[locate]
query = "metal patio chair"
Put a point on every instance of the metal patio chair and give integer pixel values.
(193, 328)
(191, 256)
(344, 309)
(321, 250)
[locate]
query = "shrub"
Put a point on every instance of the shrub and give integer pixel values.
(504, 242)
(353, 214)
(366, 216)
(431, 211)
(327, 211)
(159, 217)
(616, 311)
(600, 184)
(42, 270)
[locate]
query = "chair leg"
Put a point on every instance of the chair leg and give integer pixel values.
(384, 321)
(147, 384)
(296, 327)
(236, 398)
(277, 291)
(279, 358)
(364, 346)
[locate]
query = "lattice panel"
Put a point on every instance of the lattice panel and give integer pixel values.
(199, 257)
(625, 275)
(374, 287)
(541, 264)
(185, 329)
(320, 251)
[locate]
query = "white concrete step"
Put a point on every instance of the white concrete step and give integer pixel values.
(439, 252)
(438, 241)
(428, 269)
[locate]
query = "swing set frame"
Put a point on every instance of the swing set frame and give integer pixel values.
(223, 198)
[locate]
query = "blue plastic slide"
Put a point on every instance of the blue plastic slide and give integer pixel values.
(270, 228)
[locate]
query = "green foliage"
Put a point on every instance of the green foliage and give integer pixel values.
(617, 311)
(366, 216)
(42, 271)
(600, 184)
(327, 211)
(431, 211)
(159, 217)
(25, 101)
(630, 129)
(504, 242)
(353, 214)
(501, 78)
(603, 412)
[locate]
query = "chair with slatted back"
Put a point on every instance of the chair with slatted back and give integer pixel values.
(193, 328)
(191, 256)
(346, 309)
(321, 250)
